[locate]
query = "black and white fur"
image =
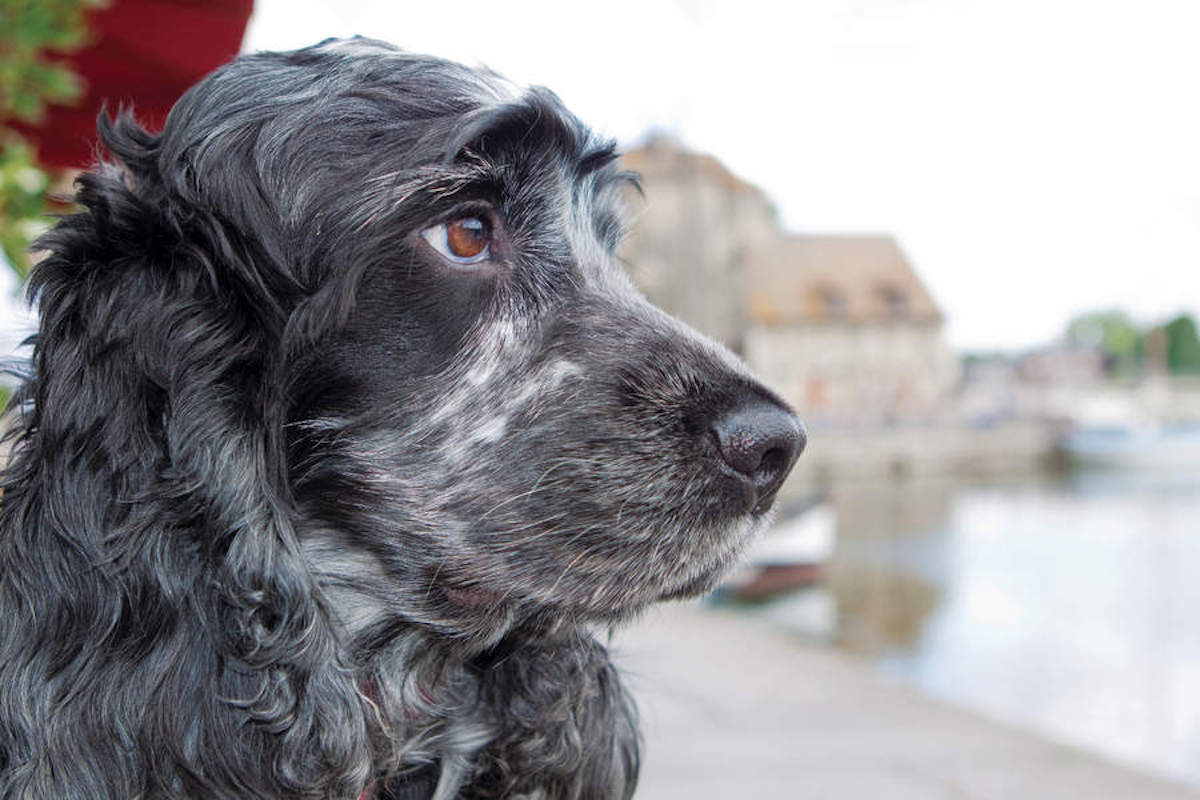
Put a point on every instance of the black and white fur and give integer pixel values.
(299, 509)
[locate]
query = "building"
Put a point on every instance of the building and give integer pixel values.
(697, 225)
(841, 326)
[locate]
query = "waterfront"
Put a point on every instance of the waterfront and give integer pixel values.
(1062, 605)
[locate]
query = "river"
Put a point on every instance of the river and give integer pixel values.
(1068, 605)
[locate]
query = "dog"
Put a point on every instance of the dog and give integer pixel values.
(344, 441)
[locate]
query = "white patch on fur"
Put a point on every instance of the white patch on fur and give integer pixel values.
(492, 430)
(501, 336)
(482, 373)
(350, 579)
(559, 371)
(547, 379)
(450, 407)
(500, 349)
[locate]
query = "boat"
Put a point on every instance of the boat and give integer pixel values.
(1160, 447)
(793, 554)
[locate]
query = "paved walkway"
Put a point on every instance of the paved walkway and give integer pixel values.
(735, 711)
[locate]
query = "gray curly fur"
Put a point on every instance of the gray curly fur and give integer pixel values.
(296, 509)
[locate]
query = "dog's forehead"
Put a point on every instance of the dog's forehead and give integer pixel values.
(528, 153)
(415, 131)
(546, 157)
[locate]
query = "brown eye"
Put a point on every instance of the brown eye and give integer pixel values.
(467, 237)
(464, 240)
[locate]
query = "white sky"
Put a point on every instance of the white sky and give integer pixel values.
(1034, 157)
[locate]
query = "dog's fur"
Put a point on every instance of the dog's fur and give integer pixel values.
(297, 509)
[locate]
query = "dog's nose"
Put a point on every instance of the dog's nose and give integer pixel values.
(760, 441)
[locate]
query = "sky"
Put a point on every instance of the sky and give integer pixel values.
(1034, 158)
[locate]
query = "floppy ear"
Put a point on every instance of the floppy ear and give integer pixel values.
(166, 608)
(566, 726)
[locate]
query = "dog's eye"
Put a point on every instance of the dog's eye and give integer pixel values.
(466, 240)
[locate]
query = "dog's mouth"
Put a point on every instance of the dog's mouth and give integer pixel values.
(599, 586)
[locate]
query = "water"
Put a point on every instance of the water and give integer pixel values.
(1069, 606)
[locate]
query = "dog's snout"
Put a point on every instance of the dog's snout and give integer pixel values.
(760, 442)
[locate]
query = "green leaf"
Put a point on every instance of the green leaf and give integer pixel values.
(29, 81)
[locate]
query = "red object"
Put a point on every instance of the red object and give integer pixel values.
(144, 54)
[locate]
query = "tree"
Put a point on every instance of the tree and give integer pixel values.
(29, 80)
(1183, 346)
(1115, 335)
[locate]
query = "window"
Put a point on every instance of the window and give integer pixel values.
(894, 303)
(833, 304)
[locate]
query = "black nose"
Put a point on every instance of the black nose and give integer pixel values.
(760, 442)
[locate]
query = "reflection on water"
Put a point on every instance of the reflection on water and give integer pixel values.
(1070, 607)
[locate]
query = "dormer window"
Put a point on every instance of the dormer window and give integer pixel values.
(833, 305)
(894, 302)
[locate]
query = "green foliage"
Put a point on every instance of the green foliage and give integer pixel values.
(30, 80)
(22, 202)
(1115, 335)
(1174, 346)
(1183, 346)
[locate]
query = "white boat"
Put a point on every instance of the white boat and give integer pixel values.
(790, 555)
(1144, 448)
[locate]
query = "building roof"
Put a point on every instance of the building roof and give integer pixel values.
(855, 279)
(782, 279)
(662, 158)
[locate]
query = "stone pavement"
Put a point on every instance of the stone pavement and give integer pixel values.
(734, 710)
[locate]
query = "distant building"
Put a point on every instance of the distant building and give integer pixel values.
(688, 251)
(841, 326)
(1062, 364)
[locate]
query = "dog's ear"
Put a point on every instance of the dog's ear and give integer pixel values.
(224, 215)
(148, 490)
(566, 726)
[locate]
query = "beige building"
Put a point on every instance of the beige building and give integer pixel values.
(690, 246)
(841, 326)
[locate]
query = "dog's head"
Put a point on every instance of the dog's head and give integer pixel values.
(484, 424)
(338, 382)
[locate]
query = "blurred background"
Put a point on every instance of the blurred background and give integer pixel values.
(961, 237)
